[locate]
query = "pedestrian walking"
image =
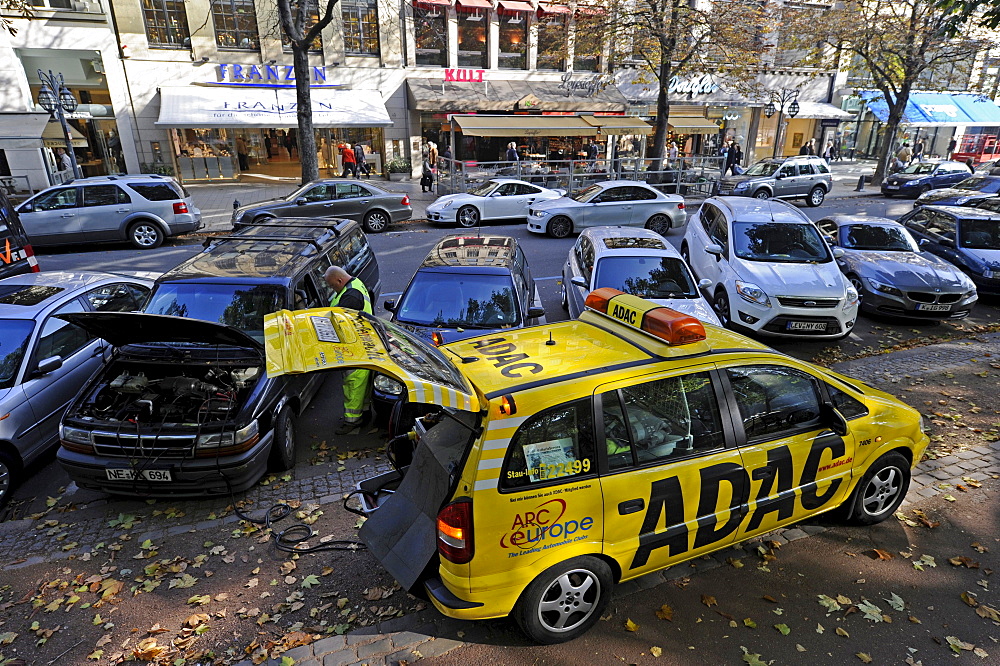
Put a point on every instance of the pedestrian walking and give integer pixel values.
(347, 157)
(427, 176)
(952, 144)
(808, 148)
(350, 292)
(734, 159)
(359, 160)
(447, 153)
(512, 155)
(241, 153)
(593, 150)
(432, 154)
(904, 155)
(672, 151)
(918, 151)
(267, 146)
(65, 163)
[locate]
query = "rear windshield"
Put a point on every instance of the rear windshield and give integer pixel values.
(459, 300)
(158, 191)
(646, 277)
(14, 334)
(26, 294)
(787, 243)
(239, 306)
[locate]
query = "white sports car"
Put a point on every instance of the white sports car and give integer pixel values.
(496, 199)
(610, 202)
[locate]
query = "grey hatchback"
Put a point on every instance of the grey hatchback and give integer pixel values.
(44, 360)
(374, 207)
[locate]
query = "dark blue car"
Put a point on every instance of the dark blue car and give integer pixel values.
(977, 186)
(922, 177)
(967, 237)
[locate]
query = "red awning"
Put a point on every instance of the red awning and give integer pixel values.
(433, 3)
(513, 6)
(472, 5)
(554, 9)
(585, 10)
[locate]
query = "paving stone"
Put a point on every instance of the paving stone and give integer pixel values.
(971, 465)
(372, 649)
(299, 653)
(940, 474)
(812, 529)
(982, 450)
(953, 470)
(627, 588)
(359, 638)
(706, 565)
(340, 658)
(407, 638)
(927, 492)
(404, 656)
(331, 644)
(437, 647)
(794, 534)
(922, 480)
(979, 476)
(966, 455)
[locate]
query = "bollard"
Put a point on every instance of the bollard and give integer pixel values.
(861, 184)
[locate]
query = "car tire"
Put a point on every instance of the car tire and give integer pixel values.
(375, 221)
(564, 300)
(880, 491)
(260, 219)
(659, 223)
(559, 227)
(720, 303)
(565, 600)
(761, 194)
(145, 235)
(283, 445)
(8, 468)
(468, 217)
(816, 197)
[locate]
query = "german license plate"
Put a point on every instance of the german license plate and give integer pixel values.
(892, 187)
(806, 326)
(933, 307)
(129, 474)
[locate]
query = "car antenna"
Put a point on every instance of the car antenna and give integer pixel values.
(550, 341)
(465, 359)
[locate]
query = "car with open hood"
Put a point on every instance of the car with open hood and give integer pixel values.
(554, 461)
(624, 202)
(495, 199)
(921, 177)
(893, 275)
(964, 193)
(804, 177)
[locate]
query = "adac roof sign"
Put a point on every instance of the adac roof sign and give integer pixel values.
(938, 109)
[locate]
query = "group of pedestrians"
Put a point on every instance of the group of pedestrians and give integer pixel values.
(354, 161)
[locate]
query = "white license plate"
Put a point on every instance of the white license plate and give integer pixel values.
(129, 474)
(892, 187)
(806, 326)
(933, 307)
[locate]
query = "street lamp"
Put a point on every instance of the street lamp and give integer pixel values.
(56, 98)
(777, 103)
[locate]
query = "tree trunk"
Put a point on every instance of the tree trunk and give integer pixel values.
(891, 125)
(662, 109)
(303, 109)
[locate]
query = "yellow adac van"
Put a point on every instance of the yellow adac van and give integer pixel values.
(553, 461)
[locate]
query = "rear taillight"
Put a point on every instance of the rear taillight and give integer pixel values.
(29, 254)
(180, 207)
(454, 531)
(680, 206)
(405, 201)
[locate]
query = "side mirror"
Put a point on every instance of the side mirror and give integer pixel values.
(714, 248)
(301, 201)
(26, 208)
(47, 365)
(496, 193)
(704, 283)
(389, 305)
(534, 312)
(923, 241)
(779, 176)
(835, 420)
(838, 252)
(579, 281)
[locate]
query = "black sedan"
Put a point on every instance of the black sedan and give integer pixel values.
(978, 186)
(372, 206)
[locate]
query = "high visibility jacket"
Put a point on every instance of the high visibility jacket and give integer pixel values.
(355, 283)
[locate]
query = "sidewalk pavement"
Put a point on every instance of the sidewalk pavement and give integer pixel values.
(216, 200)
(427, 633)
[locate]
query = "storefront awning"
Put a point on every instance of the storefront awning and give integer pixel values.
(433, 3)
(236, 106)
(619, 124)
(52, 136)
(514, 6)
(822, 110)
(584, 93)
(511, 126)
(937, 109)
(470, 5)
(692, 125)
(554, 9)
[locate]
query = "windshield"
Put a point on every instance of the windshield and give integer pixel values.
(417, 357)
(584, 194)
(762, 169)
(482, 190)
(980, 234)
(992, 204)
(239, 306)
(459, 300)
(646, 277)
(876, 237)
(14, 334)
(787, 243)
(920, 168)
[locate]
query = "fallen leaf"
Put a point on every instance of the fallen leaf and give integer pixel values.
(981, 653)
(709, 600)
(896, 602)
(630, 625)
(7, 637)
(967, 562)
(768, 597)
(310, 581)
(957, 645)
(799, 648)
(199, 599)
(865, 658)
(747, 622)
(819, 628)
(988, 612)
(969, 598)
(829, 604)
(870, 611)
(752, 659)
(656, 651)
(783, 628)
(665, 613)
(950, 498)
(843, 632)
(879, 554)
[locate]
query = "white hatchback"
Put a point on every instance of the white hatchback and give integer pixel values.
(769, 269)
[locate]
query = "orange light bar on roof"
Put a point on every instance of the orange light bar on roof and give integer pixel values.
(674, 328)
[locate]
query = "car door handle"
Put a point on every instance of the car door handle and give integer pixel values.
(332, 203)
(531, 201)
(98, 351)
(631, 506)
(761, 473)
(68, 215)
(122, 210)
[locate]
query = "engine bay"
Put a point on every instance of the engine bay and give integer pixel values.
(166, 394)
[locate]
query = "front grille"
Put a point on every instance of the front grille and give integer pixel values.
(155, 446)
(796, 302)
(926, 297)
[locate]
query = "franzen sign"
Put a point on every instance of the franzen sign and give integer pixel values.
(262, 74)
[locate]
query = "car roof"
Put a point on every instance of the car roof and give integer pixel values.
(472, 251)
(628, 241)
(63, 283)
(840, 219)
(966, 212)
(748, 209)
(338, 181)
(124, 177)
(279, 249)
(615, 183)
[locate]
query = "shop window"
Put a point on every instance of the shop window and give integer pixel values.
(513, 41)
(52, 4)
(552, 42)
(235, 24)
(312, 8)
(360, 27)
(431, 29)
(166, 24)
(472, 39)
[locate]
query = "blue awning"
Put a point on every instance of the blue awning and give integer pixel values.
(937, 109)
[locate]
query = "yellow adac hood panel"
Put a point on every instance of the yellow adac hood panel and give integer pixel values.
(337, 338)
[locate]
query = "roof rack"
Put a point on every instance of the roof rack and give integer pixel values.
(292, 239)
(272, 222)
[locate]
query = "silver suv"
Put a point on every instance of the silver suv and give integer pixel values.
(799, 177)
(142, 209)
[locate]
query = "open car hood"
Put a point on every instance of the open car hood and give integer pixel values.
(124, 328)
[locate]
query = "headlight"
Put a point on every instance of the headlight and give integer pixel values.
(753, 293)
(884, 288)
(447, 204)
(969, 296)
(75, 435)
(388, 385)
(247, 435)
(537, 213)
(742, 186)
(987, 273)
(852, 297)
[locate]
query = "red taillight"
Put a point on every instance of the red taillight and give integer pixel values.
(680, 206)
(454, 532)
(405, 201)
(180, 207)
(29, 254)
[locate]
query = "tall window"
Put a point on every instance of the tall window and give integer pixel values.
(472, 38)
(166, 23)
(513, 40)
(235, 24)
(431, 28)
(552, 41)
(360, 27)
(587, 39)
(311, 7)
